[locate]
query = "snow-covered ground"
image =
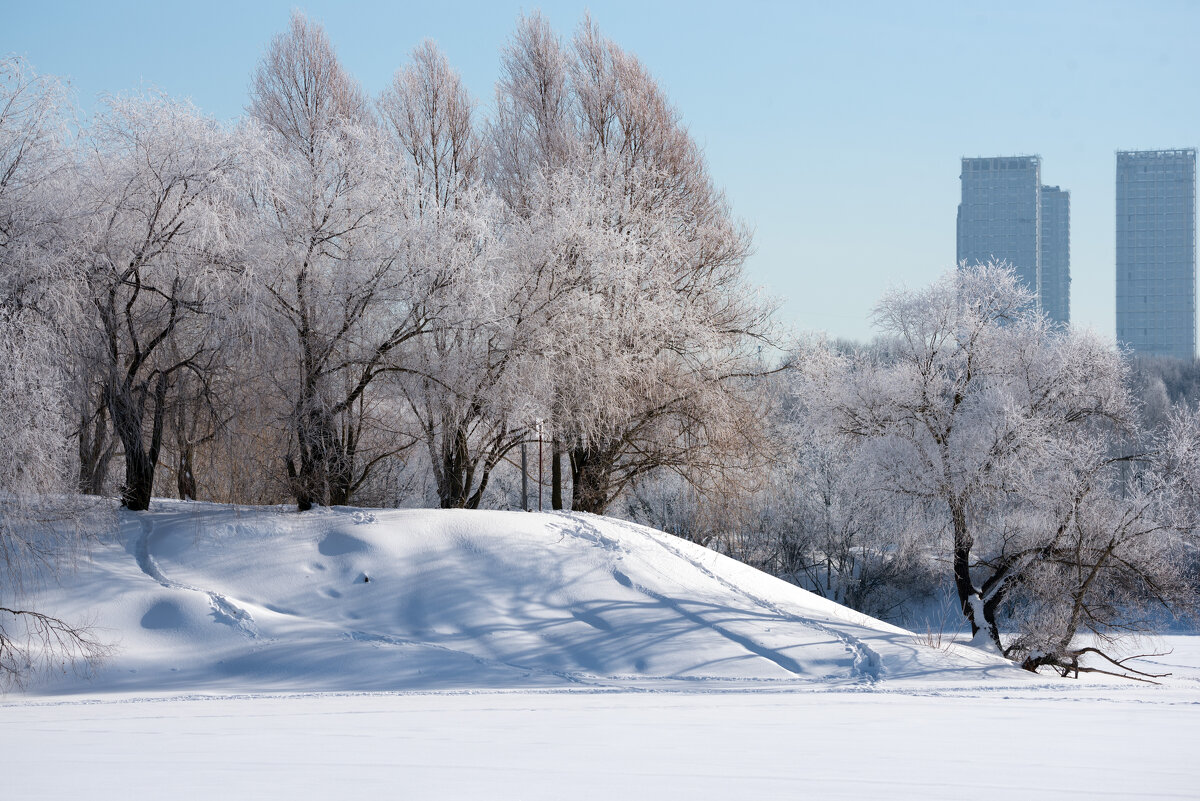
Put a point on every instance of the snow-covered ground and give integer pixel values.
(263, 653)
(602, 745)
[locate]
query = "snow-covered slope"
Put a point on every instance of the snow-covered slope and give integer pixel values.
(201, 597)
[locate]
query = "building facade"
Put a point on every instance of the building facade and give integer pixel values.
(1156, 252)
(1056, 254)
(999, 218)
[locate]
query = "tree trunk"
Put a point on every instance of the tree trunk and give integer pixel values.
(590, 478)
(477, 496)
(556, 474)
(456, 474)
(185, 476)
(96, 449)
(324, 473)
(139, 481)
(304, 500)
(980, 615)
(140, 461)
(962, 568)
(345, 450)
(310, 483)
(341, 478)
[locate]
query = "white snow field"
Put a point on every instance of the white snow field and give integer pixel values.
(263, 653)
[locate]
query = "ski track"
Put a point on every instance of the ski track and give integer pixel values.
(865, 662)
(224, 610)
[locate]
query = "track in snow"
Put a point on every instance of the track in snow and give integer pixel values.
(865, 661)
(866, 664)
(225, 610)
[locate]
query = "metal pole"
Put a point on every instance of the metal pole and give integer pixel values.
(539, 466)
(524, 479)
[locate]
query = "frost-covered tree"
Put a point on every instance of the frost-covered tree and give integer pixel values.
(1104, 546)
(429, 112)
(39, 193)
(533, 132)
(36, 174)
(461, 383)
(334, 281)
(43, 523)
(1013, 433)
(824, 525)
(340, 258)
(814, 516)
(42, 520)
(157, 250)
(657, 329)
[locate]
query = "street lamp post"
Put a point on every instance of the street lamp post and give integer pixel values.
(524, 478)
(539, 430)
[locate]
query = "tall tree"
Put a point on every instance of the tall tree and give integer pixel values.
(652, 348)
(1014, 433)
(36, 175)
(338, 258)
(429, 112)
(157, 249)
(42, 519)
(456, 384)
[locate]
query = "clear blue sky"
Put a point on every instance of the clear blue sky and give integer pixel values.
(836, 129)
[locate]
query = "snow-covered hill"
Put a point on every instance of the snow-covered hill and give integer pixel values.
(515, 656)
(205, 597)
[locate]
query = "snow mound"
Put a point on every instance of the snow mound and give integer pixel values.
(200, 597)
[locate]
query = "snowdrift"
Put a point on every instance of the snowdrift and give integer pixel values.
(200, 597)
